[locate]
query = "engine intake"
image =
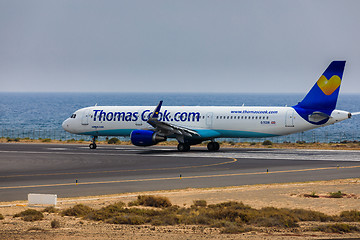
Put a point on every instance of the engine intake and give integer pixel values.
(145, 138)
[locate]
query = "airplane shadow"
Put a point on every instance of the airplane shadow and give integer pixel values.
(170, 151)
(201, 150)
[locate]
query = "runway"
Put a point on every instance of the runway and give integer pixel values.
(75, 170)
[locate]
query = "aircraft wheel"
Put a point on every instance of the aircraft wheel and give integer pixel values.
(217, 146)
(92, 146)
(182, 147)
(213, 146)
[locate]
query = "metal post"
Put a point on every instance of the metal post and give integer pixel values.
(313, 137)
(340, 137)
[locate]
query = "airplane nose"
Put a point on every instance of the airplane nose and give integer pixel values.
(65, 125)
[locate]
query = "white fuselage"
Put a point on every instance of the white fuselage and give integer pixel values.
(209, 121)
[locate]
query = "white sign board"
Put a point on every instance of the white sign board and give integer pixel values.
(35, 198)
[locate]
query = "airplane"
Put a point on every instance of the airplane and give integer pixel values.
(191, 125)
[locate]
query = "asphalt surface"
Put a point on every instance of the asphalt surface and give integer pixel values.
(75, 170)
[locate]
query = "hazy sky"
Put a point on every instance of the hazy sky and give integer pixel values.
(176, 46)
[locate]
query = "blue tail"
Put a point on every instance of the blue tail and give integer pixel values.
(323, 96)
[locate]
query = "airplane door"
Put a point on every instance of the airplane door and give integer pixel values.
(85, 117)
(209, 119)
(289, 119)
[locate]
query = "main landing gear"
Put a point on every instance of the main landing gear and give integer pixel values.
(93, 144)
(213, 146)
(183, 147)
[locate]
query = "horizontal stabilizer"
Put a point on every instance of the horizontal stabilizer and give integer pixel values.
(318, 117)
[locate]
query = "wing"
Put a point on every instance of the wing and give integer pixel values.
(167, 129)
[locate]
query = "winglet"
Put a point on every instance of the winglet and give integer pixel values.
(155, 114)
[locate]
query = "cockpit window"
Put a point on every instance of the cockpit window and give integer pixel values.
(73, 116)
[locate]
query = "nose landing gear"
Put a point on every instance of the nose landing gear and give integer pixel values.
(93, 144)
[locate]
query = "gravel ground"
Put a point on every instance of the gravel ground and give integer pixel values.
(289, 195)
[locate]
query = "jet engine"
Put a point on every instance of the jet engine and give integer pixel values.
(145, 138)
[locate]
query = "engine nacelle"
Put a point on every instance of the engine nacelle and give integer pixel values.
(145, 138)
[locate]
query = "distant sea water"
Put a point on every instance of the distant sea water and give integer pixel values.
(40, 115)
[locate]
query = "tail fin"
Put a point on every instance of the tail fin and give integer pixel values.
(323, 95)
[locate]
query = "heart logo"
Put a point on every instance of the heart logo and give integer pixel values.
(329, 86)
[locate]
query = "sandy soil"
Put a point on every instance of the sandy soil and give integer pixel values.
(289, 195)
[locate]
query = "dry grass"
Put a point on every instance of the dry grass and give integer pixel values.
(55, 223)
(228, 217)
(78, 210)
(308, 215)
(30, 215)
(151, 201)
(199, 203)
(231, 217)
(337, 194)
(312, 195)
(337, 228)
(50, 209)
(350, 216)
(113, 141)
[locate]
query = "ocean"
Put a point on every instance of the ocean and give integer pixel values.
(40, 115)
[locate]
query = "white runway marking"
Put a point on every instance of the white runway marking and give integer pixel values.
(295, 156)
(283, 154)
(58, 149)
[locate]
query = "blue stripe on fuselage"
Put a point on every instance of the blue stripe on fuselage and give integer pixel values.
(204, 133)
